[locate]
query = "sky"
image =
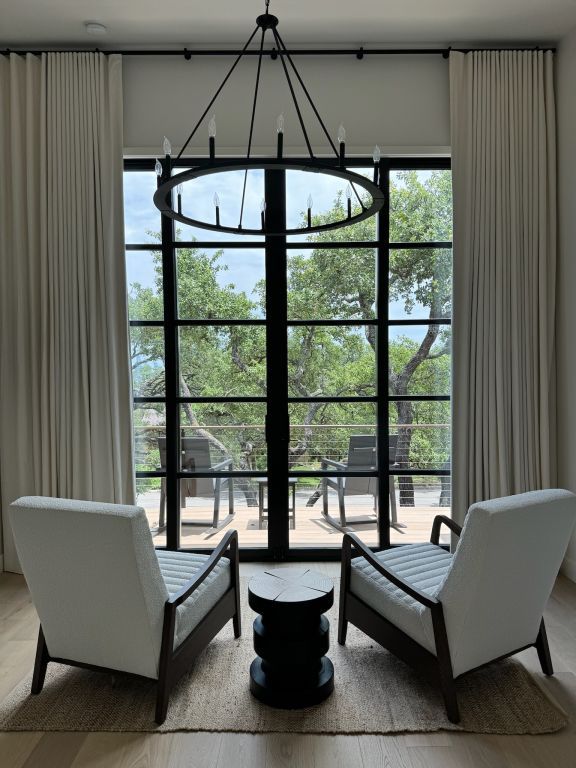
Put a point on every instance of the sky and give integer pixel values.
(244, 267)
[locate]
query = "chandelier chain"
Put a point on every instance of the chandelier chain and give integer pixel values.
(252, 124)
(222, 84)
(294, 99)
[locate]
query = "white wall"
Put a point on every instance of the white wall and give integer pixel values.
(566, 306)
(398, 102)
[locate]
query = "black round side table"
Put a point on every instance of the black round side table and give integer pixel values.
(291, 637)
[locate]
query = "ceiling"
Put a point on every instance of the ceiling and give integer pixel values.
(182, 22)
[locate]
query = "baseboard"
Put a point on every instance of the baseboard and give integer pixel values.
(569, 568)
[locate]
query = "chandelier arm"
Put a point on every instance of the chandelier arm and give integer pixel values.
(295, 100)
(222, 84)
(326, 133)
(258, 70)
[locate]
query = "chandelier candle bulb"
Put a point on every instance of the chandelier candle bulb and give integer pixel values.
(280, 132)
(342, 143)
(158, 168)
(167, 146)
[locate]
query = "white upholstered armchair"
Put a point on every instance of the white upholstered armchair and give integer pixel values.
(449, 614)
(108, 600)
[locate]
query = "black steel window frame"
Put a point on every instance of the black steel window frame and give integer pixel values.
(275, 249)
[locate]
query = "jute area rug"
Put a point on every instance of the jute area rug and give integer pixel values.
(374, 694)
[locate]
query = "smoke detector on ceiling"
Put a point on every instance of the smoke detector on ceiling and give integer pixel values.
(95, 28)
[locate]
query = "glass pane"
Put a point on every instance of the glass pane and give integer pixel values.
(222, 284)
(147, 355)
(317, 520)
(423, 445)
(321, 433)
(419, 360)
(332, 284)
(420, 283)
(223, 361)
(232, 432)
(141, 217)
(420, 206)
(198, 203)
(421, 432)
(149, 431)
(337, 361)
(144, 278)
(329, 203)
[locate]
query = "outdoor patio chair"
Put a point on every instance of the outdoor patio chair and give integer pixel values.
(361, 456)
(107, 600)
(449, 614)
(196, 456)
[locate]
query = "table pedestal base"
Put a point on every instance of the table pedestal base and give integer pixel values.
(293, 694)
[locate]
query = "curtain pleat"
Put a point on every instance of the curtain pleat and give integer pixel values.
(65, 397)
(503, 167)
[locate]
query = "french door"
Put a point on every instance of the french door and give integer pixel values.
(271, 365)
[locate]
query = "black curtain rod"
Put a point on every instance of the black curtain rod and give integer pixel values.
(274, 53)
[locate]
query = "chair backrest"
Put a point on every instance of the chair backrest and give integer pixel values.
(362, 455)
(195, 456)
(94, 579)
(503, 572)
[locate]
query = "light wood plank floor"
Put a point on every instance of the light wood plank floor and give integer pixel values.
(18, 628)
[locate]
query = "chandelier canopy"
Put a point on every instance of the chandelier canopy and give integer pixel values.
(169, 194)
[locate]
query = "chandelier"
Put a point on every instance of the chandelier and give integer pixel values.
(364, 198)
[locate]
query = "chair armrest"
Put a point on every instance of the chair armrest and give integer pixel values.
(332, 463)
(350, 540)
(437, 524)
(230, 541)
(221, 465)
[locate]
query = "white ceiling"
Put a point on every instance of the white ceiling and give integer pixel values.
(181, 22)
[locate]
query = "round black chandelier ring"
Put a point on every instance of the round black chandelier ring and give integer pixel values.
(163, 197)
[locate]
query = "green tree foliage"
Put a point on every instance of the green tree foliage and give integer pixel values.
(332, 361)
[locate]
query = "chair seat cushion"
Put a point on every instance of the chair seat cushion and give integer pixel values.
(177, 569)
(424, 566)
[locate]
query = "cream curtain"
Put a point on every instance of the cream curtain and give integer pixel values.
(64, 357)
(504, 181)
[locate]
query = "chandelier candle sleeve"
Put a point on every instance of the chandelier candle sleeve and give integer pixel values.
(310, 201)
(342, 143)
(212, 137)
(179, 193)
(280, 132)
(217, 206)
(349, 201)
(263, 213)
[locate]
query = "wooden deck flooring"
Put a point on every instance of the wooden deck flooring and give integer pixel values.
(311, 530)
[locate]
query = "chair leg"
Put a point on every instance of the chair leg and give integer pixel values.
(230, 496)
(544, 651)
(40, 663)
(235, 568)
(344, 587)
(162, 520)
(325, 498)
(216, 515)
(162, 700)
(341, 506)
(446, 675)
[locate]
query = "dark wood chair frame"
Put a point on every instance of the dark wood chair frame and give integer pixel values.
(173, 663)
(437, 668)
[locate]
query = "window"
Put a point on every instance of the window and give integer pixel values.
(277, 381)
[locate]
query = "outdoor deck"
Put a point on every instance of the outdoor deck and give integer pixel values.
(311, 530)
